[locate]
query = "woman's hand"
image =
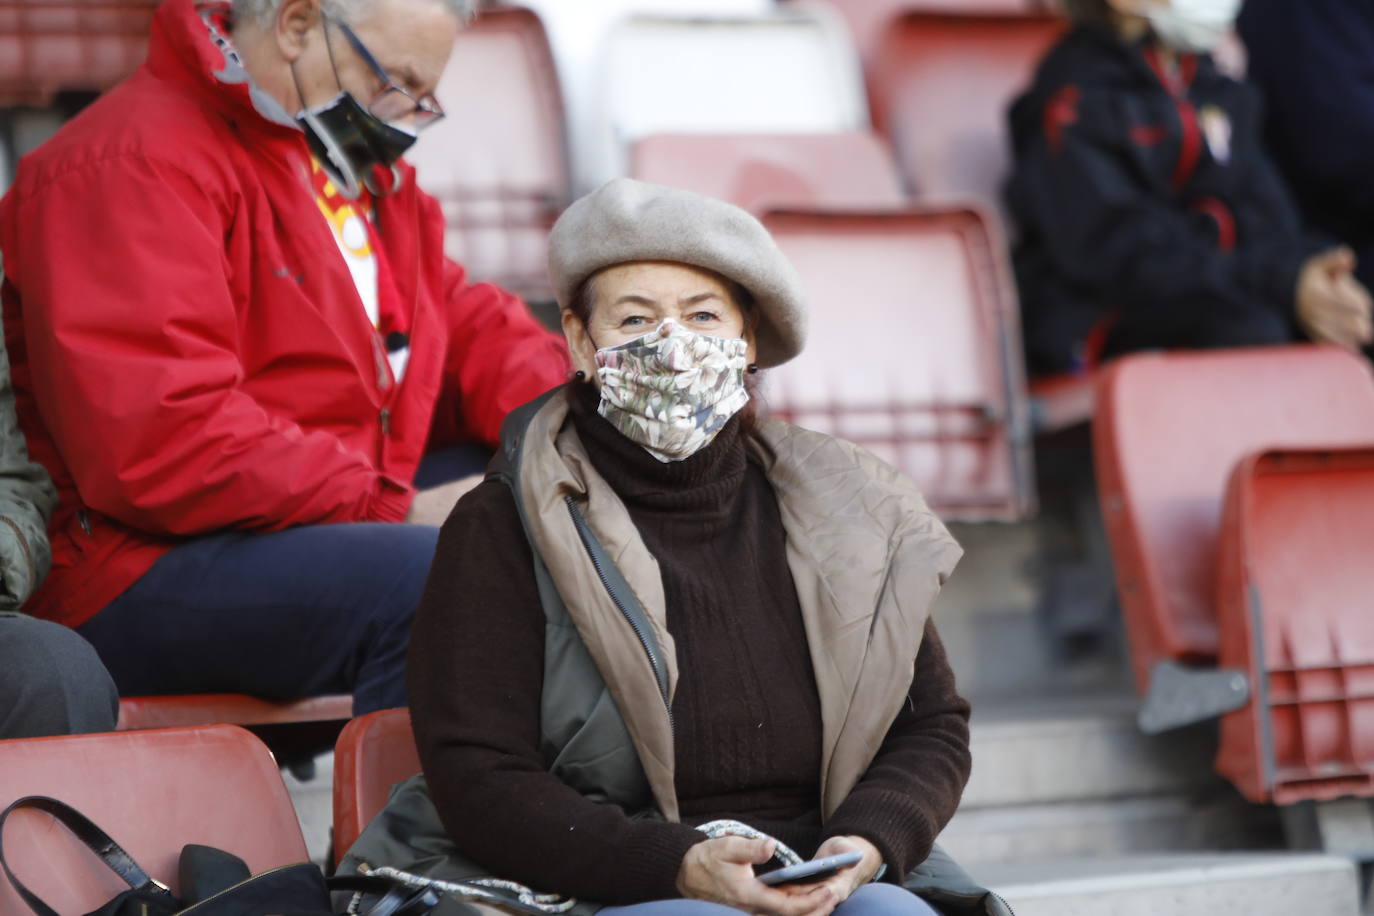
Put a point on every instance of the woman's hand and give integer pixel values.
(844, 882)
(722, 871)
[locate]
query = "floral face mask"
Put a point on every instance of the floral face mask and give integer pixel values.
(672, 390)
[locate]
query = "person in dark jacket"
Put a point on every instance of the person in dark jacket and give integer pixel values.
(769, 659)
(1311, 60)
(1150, 214)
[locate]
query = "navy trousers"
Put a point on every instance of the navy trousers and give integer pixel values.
(308, 611)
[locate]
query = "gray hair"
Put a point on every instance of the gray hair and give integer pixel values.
(264, 10)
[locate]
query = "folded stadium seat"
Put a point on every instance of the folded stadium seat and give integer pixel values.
(48, 46)
(845, 169)
(137, 713)
(790, 71)
(1169, 430)
(499, 162)
(153, 792)
(374, 752)
(913, 352)
(1294, 594)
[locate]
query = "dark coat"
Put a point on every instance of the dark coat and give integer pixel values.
(1150, 215)
(1313, 60)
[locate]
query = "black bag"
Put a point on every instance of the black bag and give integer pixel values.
(213, 882)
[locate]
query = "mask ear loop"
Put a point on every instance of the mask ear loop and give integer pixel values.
(397, 180)
(343, 171)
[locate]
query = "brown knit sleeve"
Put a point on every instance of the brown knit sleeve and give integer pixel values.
(475, 680)
(913, 786)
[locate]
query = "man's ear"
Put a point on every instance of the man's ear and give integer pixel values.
(296, 20)
(580, 344)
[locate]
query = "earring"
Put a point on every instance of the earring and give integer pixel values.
(579, 376)
(752, 369)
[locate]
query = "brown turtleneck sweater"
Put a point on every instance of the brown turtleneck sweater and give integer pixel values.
(748, 729)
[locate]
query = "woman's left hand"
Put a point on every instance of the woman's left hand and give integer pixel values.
(844, 882)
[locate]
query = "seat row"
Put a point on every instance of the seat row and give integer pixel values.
(156, 791)
(1238, 493)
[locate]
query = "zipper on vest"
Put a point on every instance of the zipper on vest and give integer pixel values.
(634, 618)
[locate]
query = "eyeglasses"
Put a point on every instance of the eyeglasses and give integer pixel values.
(393, 102)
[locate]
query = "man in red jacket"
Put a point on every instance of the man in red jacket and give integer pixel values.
(235, 336)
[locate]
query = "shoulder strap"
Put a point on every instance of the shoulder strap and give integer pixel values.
(95, 839)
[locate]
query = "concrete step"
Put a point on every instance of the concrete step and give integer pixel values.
(1196, 885)
(1079, 748)
(314, 803)
(1111, 828)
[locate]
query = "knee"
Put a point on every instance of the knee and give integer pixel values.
(687, 907)
(884, 900)
(52, 682)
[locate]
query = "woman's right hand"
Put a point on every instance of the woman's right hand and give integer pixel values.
(722, 871)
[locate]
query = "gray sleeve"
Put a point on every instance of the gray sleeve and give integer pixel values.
(27, 501)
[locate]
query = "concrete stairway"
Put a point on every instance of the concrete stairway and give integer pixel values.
(1070, 810)
(1236, 884)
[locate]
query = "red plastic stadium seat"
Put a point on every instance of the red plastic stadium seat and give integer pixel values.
(47, 46)
(850, 169)
(1294, 597)
(374, 752)
(867, 18)
(153, 792)
(1169, 430)
(499, 162)
(940, 87)
(231, 708)
(913, 351)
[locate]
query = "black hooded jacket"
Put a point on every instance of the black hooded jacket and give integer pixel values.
(1150, 215)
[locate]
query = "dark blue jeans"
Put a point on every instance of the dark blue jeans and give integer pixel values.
(308, 611)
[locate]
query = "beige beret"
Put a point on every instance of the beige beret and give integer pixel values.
(627, 220)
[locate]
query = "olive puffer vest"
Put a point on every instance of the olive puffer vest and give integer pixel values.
(868, 558)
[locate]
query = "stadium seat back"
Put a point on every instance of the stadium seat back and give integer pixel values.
(941, 86)
(498, 163)
(1294, 599)
(153, 792)
(47, 46)
(374, 752)
(913, 351)
(868, 18)
(1168, 432)
(849, 169)
(786, 72)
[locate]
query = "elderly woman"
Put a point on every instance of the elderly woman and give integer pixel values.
(659, 612)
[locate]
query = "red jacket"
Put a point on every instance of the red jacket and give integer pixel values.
(189, 350)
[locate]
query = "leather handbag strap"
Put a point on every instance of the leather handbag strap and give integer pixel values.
(95, 839)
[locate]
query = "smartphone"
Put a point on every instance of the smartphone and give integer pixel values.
(814, 870)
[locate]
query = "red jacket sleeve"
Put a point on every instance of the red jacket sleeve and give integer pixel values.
(499, 357)
(131, 330)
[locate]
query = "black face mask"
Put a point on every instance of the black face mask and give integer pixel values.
(349, 141)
